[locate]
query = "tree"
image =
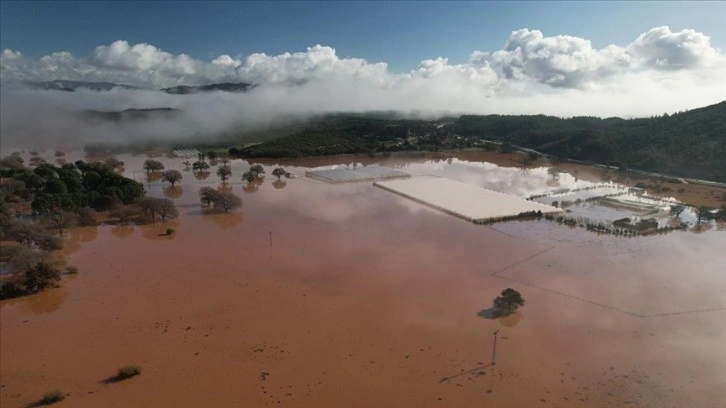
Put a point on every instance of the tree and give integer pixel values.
(172, 176)
(124, 213)
(703, 213)
(153, 206)
(227, 201)
(40, 277)
(224, 172)
(36, 161)
(62, 220)
(12, 162)
(249, 176)
(279, 172)
(257, 168)
(167, 209)
(207, 195)
(86, 216)
(115, 163)
(677, 209)
(509, 301)
(200, 166)
(153, 165)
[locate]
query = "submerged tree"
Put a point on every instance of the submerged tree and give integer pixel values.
(163, 207)
(257, 168)
(508, 303)
(677, 209)
(249, 176)
(62, 220)
(278, 172)
(207, 195)
(226, 201)
(153, 166)
(200, 166)
(224, 172)
(172, 176)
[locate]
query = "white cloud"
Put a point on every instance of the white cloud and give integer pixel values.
(11, 55)
(660, 71)
(663, 49)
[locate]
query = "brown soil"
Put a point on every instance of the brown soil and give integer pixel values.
(323, 295)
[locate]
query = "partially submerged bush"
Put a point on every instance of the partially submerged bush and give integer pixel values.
(127, 372)
(170, 231)
(52, 397)
(71, 270)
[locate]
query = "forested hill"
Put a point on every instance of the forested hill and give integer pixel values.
(687, 144)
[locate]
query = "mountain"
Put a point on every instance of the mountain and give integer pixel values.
(224, 87)
(131, 114)
(70, 86)
(687, 144)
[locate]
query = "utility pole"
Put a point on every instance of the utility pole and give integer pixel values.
(494, 348)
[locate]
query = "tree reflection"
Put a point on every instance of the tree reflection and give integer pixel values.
(224, 220)
(47, 301)
(173, 192)
(122, 231)
(153, 176)
(77, 237)
(278, 184)
(201, 175)
(253, 186)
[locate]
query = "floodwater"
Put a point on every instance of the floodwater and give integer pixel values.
(318, 295)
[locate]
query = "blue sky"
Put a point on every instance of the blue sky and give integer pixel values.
(399, 33)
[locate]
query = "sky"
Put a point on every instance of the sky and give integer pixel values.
(422, 59)
(399, 33)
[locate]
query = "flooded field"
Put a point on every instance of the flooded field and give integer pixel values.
(320, 295)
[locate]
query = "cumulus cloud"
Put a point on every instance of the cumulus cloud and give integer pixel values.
(660, 71)
(663, 49)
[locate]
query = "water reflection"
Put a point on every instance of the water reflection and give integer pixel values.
(173, 192)
(278, 184)
(201, 175)
(224, 220)
(77, 237)
(254, 186)
(153, 176)
(511, 320)
(47, 301)
(224, 188)
(122, 231)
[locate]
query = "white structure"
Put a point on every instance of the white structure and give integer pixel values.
(345, 175)
(186, 153)
(465, 201)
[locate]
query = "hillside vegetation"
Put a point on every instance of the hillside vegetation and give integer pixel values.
(687, 144)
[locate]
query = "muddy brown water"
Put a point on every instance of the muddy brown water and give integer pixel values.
(317, 295)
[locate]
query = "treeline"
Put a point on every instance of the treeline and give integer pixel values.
(60, 197)
(337, 135)
(687, 144)
(70, 187)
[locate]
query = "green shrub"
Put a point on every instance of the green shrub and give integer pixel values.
(127, 372)
(53, 397)
(170, 231)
